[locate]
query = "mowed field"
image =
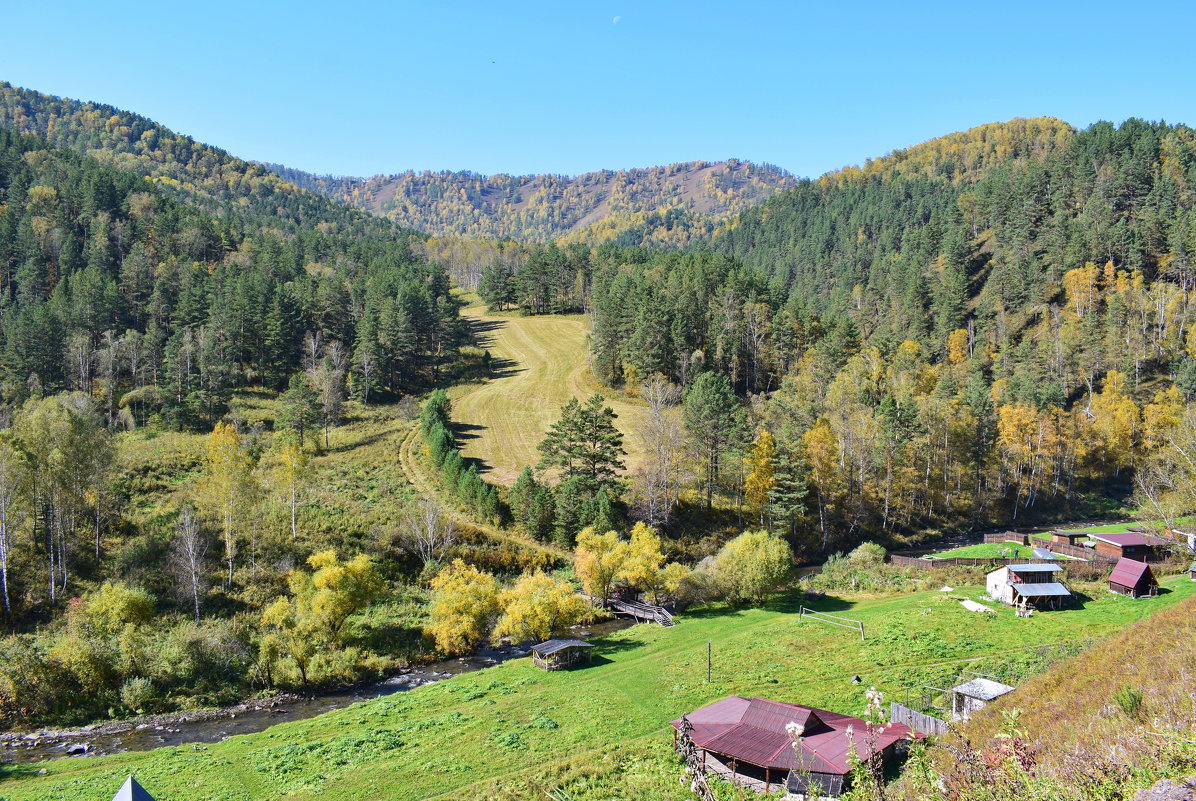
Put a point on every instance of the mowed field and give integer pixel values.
(540, 362)
(598, 733)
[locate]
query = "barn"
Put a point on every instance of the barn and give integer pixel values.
(1133, 578)
(747, 741)
(1027, 586)
(1068, 537)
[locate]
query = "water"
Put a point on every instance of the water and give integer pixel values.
(200, 728)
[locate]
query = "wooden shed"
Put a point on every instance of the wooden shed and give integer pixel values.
(560, 654)
(1128, 545)
(1133, 578)
(1192, 571)
(1068, 537)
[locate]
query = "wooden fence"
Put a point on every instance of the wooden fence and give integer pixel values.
(991, 564)
(926, 724)
(1002, 537)
(1077, 550)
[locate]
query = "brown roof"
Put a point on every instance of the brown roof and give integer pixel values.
(753, 731)
(1128, 572)
(1129, 539)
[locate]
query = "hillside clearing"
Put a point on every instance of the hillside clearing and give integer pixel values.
(540, 362)
(515, 732)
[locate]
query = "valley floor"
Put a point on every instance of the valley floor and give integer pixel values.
(517, 732)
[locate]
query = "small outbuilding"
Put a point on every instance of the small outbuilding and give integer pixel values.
(1192, 571)
(1128, 545)
(974, 695)
(132, 791)
(1027, 586)
(1068, 537)
(561, 654)
(1133, 578)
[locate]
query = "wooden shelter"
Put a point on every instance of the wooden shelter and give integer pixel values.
(1192, 571)
(1068, 537)
(1133, 578)
(132, 791)
(748, 741)
(1027, 586)
(561, 654)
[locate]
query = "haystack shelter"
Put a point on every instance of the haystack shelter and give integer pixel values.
(559, 654)
(1133, 578)
(1025, 586)
(746, 740)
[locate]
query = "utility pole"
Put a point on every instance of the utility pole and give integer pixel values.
(708, 661)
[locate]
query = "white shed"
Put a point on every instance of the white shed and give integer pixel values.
(973, 695)
(1027, 585)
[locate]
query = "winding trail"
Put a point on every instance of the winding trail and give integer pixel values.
(540, 362)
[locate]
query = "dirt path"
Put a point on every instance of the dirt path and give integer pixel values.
(539, 364)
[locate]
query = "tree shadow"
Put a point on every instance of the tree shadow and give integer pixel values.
(793, 603)
(465, 431)
(17, 770)
(480, 331)
(609, 644)
(504, 368)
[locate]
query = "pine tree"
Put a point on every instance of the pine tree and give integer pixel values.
(585, 444)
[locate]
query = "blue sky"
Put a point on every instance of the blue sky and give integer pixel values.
(573, 85)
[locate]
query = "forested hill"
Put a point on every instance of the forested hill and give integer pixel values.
(200, 174)
(670, 205)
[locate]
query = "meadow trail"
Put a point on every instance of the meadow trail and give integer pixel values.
(540, 363)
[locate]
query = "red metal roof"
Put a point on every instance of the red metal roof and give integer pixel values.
(1129, 572)
(1128, 538)
(753, 731)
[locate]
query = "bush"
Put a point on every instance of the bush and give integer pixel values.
(752, 566)
(138, 696)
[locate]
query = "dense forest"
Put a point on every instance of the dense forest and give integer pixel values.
(985, 327)
(664, 206)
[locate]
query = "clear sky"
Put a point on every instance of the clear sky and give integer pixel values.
(572, 85)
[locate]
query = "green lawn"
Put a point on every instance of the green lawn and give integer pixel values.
(988, 550)
(602, 732)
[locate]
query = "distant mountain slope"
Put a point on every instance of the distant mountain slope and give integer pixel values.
(204, 175)
(670, 205)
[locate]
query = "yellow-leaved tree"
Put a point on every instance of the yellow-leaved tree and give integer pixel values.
(752, 566)
(645, 566)
(1115, 420)
(228, 491)
(463, 606)
(597, 561)
(761, 462)
(538, 606)
(291, 472)
(321, 603)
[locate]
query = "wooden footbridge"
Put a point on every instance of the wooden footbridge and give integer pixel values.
(643, 613)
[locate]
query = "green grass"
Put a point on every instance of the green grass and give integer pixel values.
(602, 732)
(541, 362)
(988, 550)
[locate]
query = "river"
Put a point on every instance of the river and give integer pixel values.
(212, 726)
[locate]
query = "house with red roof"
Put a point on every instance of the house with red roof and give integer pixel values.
(1133, 578)
(748, 741)
(1129, 544)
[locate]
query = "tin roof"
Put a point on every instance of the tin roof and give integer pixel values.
(552, 646)
(1129, 572)
(983, 689)
(1034, 568)
(1047, 588)
(754, 731)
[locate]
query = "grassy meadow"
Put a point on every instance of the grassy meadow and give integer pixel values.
(540, 362)
(513, 731)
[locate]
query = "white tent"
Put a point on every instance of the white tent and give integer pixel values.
(132, 791)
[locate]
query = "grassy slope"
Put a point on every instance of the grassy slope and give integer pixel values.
(540, 363)
(514, 731)
(988, 549)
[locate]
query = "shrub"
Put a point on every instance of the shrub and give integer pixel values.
(138, 696)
